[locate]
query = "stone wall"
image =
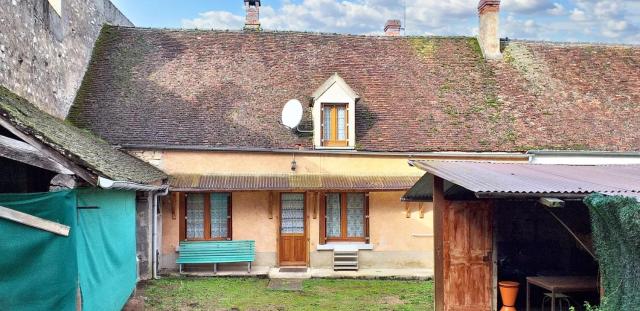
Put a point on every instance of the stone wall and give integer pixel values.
(143, 235)
(44, 54)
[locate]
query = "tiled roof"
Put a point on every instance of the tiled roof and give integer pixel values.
(79, 146)
(289, 182)
(222, 89)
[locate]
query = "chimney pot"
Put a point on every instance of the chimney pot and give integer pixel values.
(392, 27)
(488, 33)
(252, 19)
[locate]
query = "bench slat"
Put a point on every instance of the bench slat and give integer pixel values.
(199, 252)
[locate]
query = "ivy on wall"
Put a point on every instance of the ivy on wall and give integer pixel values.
(615, 221)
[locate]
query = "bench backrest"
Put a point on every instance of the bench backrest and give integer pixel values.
(217, 251)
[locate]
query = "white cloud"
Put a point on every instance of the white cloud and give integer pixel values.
(578, 15)
(214, 20)
(526, 6)
(517, 28)
(557, 10)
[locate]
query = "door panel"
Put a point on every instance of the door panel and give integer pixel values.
(293, 241)
(467, 255)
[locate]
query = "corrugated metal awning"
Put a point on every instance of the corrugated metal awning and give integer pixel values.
(288, 182)
(487, 179)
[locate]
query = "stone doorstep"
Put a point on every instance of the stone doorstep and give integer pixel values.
(274, 273)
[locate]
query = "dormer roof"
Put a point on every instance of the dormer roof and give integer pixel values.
(336, 80)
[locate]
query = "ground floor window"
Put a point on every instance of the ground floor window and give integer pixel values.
(345, 216)
(208, 216)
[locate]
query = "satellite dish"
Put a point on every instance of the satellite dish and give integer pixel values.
(292, 113)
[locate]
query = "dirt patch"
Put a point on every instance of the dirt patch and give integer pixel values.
(391, 300)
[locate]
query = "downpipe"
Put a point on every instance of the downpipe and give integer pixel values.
(154, 231)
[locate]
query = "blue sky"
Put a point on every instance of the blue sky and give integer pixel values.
(612, 21)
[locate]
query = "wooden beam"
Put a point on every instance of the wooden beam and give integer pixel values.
(22, 152)
(316, 204)
(50, 152)
(33, 221)
(270, 207)
(421, 208)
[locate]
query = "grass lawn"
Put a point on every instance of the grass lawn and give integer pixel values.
(317, 294)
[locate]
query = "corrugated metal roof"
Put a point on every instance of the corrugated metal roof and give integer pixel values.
(288, 182)
(523, 178)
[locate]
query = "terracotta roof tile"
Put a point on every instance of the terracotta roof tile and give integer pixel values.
(225, 89)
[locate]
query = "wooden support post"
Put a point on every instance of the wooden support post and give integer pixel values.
(34, 221)
(407, 209)
(421, 207)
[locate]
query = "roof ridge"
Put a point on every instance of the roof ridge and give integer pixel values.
(276, 31)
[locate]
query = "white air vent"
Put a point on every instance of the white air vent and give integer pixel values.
(345, 260)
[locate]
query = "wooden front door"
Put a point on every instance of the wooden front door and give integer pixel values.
(467, 254)
(293, 228)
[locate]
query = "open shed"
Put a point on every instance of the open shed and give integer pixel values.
(75, 233)
(517, 222)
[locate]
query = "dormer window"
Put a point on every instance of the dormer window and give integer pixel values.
(333, 115)
(335, 125)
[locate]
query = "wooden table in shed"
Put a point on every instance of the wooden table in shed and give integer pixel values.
(562, 284)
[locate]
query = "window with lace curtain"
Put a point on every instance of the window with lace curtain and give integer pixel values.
(208, 216)
(345, 216)
(335, 125)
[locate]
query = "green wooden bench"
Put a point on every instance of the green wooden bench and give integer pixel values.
(215, 252)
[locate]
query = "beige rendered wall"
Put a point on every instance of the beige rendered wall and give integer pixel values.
(250, 221)
(189, 162)
(398, 241)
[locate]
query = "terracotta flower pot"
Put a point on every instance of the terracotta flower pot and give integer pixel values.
(509, 293)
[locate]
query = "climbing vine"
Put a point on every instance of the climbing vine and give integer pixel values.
(615, 221)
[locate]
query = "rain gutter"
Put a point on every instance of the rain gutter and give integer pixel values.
(106, 183)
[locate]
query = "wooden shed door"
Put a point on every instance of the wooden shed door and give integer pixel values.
(293, 240)
(467, 256)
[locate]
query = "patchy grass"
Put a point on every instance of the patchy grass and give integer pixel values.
(317, 294)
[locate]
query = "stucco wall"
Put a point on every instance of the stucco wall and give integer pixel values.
(43, 54)
(206, 162)
(398, 241)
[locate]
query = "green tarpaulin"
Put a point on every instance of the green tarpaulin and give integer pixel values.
(38, 269)
(41, 271)
(106, 248)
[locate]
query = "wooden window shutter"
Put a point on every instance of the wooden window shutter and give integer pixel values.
(207, 216)
(229, 218)
(366, 218)
(323, 218)
(180, 201)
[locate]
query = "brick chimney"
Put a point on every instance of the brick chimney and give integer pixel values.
(252, 21)
(488, 37)
(392, 27)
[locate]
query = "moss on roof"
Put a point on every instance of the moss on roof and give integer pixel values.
(80, 146)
